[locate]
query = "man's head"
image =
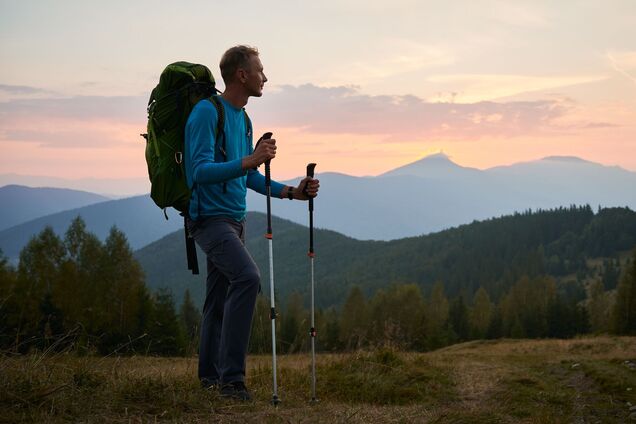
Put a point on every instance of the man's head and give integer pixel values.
(241, 65)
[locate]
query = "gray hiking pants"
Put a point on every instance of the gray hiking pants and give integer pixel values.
(233, 282)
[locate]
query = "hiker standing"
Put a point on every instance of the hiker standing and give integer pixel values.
(219, 173)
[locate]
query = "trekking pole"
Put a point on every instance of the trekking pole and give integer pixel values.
(312, 330)
(272, 313)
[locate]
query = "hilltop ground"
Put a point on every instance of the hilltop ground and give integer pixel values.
(585, 380)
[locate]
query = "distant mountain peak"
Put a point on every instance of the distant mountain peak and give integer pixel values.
(429, 166)
(439, 157)
(572, 159)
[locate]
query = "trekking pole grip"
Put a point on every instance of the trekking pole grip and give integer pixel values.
(310, 173)
(268, 174)
(268, 189)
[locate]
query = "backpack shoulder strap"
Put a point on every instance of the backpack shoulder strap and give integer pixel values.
(220, 125)
(220, 133)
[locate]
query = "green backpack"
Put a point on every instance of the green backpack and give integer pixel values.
(181, 86)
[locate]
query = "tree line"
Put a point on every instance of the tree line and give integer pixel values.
(80, 293)
(402, 317)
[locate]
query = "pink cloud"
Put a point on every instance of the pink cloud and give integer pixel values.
(75, 122)
(343, 110)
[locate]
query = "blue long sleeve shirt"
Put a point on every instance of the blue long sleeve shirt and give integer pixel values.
(206, 172)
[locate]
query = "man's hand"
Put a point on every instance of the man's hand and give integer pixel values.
(308, 188)
(265, 150)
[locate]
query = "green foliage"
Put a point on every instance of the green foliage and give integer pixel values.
(9, 307)
(624, 314)
(354, 319)
(93, 294)
(438, 333)
(610, 274)
(599, 308)
(165, 335)
(480, 314)
(525, 307)
(261, 335)
(82, 293)
(190, 319)
(328, 328)
(493, 254)
(396, 318)
(294, 325)
(566, 319)
(458, 319)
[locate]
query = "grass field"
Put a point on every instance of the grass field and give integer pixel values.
(585, 380)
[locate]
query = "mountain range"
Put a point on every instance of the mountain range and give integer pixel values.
(435, 193)
(428, 195)
(137, 217)
(22, 204)
(109, 187)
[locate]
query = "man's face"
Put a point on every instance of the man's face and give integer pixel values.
(255, 79)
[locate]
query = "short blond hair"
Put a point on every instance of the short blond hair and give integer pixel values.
(235, 58)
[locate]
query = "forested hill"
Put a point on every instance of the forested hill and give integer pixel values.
(493, 254)
(497, 252)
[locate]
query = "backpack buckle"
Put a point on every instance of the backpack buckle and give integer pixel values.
(178, 157)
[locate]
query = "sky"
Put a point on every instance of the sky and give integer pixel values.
(358, 86)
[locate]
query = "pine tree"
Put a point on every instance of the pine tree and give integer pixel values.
(525, 307)
(190, 319)
(624, 316)
(611, 273)
(406, 305)
(396, 317)
(38, 272)
(75, 237)
(480, 314)
(50, 327)
(9, 303)
(437, 331)
(119, 291)
(329, 337)
(458, 318)
(293, 323)
(165, 336)
(71, 294)
(353, 320)
(261, 334)
(495, 328)
(598, 306)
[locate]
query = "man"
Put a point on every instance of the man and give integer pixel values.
(217, 218)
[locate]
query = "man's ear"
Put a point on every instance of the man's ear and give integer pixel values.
(241, 75)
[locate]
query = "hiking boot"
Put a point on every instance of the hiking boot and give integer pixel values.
(235, 390)
(210, 384)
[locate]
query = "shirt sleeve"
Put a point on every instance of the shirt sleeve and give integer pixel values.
(256, 182)
(200, 132)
